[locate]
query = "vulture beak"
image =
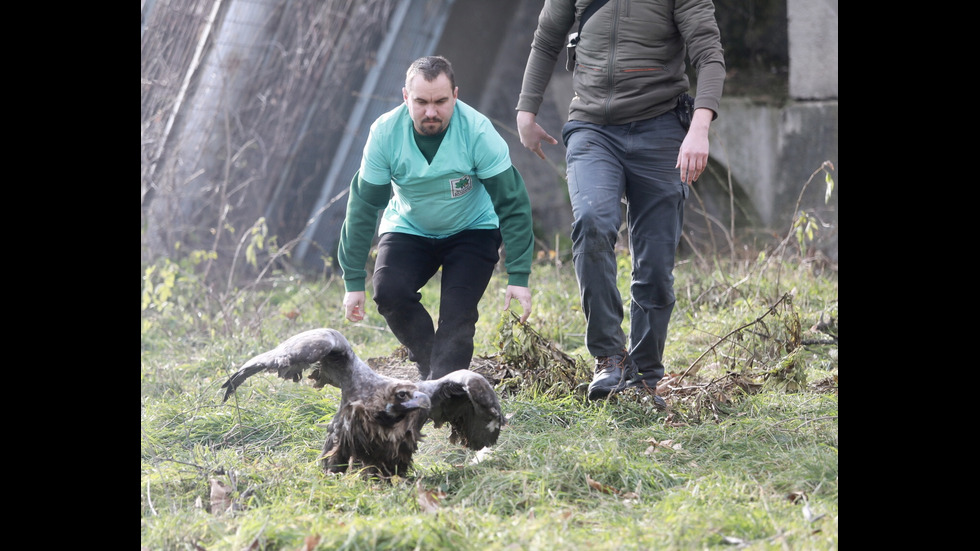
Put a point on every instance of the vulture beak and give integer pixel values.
(419, 400)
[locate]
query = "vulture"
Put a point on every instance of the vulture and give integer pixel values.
(378, 425)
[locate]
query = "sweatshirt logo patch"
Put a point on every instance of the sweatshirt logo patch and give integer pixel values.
(459, 187)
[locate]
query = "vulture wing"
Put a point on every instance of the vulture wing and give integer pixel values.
(289, 359)
(467, 401)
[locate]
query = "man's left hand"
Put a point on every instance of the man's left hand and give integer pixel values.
(692, 158)
(522, 295)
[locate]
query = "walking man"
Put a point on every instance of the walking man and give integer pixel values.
(626, 137)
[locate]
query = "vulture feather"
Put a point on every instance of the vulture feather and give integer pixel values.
(378, 424)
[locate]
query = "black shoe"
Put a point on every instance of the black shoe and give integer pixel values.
(612, 374)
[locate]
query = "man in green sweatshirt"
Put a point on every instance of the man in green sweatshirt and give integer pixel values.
(450, 195)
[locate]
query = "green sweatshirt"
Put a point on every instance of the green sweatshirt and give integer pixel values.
(366, 200)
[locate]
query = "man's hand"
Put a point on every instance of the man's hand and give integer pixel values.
(522, 295)
(354, 305)
(531, 133)
(692, 158)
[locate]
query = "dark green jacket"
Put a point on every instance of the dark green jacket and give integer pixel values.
(630, 61)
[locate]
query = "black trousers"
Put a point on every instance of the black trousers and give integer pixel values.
(405, 264)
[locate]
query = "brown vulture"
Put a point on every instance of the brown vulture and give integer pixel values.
(379, 422)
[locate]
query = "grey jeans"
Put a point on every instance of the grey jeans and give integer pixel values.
(606, 163)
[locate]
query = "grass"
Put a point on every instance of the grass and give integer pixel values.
(745, 456)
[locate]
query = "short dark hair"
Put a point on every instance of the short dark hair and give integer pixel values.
(430, 67)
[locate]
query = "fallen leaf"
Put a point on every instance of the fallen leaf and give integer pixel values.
(599, 486)
(220, 497)
(429, 499)
(310, 543)
(668, 444)
(609, 489)
(796, 497)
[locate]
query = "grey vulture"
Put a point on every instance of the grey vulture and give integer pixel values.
(378, 424)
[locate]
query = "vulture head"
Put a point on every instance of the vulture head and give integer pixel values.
(378, 424)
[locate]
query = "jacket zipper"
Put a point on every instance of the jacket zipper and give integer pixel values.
(611, 63)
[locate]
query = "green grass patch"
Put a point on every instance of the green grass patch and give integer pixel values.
(745, 456)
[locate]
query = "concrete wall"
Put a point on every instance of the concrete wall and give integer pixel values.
(773, 149)
(812, 49)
